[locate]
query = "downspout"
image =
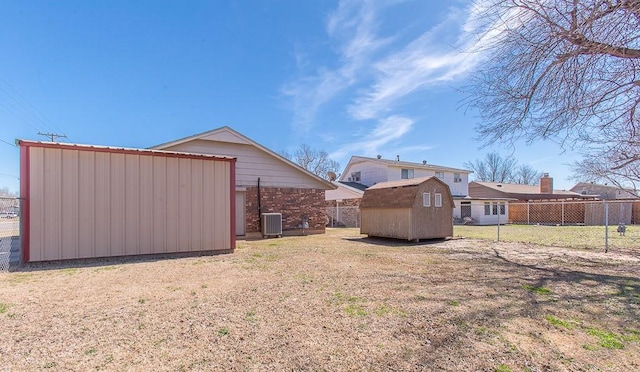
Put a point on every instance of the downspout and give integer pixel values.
(259, 207)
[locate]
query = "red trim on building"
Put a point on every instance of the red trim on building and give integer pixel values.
(25, 220)
(119, 150)
(232, 188)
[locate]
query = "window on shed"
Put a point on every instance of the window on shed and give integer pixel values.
(405, 174)
(440, 175)
(426, 199)
(487, 208)
(503, 209)
(495, 208)
(438, 200)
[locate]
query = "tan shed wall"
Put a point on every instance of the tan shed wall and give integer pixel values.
(386, 222)
(415, 222)
(97, 204)
(432, 222)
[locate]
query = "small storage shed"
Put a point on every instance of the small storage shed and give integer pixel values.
(413, 209)
(83, 201)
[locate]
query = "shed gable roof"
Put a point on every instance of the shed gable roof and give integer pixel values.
(397, 194)
(228, 135)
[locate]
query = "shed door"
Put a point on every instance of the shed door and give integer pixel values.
(240, 208)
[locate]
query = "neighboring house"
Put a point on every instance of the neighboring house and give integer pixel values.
(604, 192)
(265, 182)
(413, 209)
(343, 204)
(523, 193)
(514, 203)
(370, 171)
(481, 211)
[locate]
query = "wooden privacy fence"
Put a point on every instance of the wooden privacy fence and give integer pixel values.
(589, 213)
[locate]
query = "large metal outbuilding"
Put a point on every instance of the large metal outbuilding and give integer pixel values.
(84, 201)
(412, 209)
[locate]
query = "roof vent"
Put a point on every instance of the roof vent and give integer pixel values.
(379, 156)
(499, 185)
(398, 157)
(424, 162)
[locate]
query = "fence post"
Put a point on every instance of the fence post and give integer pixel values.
(606, 226)
(498, 223)
(528, 222)
(562, 224)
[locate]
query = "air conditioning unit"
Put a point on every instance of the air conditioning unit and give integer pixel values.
(271, 224)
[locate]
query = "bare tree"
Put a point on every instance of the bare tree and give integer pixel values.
(566, 71)
(525, 174)
(493, 168)
(313, 160)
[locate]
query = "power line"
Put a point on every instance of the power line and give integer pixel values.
(20, 106)
(8, 143)
(53, 136)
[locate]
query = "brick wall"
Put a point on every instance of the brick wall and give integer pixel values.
(292, 203)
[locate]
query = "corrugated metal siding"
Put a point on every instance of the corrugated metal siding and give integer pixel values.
(98, 204)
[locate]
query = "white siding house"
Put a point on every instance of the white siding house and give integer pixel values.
(370, 171)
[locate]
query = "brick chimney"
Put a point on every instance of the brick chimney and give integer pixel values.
(546, 184)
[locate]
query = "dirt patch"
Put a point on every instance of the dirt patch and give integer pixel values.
(334, 302)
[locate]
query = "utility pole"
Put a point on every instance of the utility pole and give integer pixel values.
(53, 136)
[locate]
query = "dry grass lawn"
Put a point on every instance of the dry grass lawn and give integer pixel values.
(333, 302)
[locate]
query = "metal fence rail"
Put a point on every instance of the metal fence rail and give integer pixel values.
(606, 224)
(9, 231)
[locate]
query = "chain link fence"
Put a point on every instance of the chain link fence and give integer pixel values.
(343, 216)
(9, 231)
(582, 224)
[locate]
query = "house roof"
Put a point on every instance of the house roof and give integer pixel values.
(123, 150)
(603, 191)
(227, 134)
(394, 163)
(519, 191)
(354, 185)
(396, 194)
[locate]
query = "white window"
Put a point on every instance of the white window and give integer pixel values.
(503, 209)
(355, 176)
(438, 200)
(405, 174)
(487, 209)
(457, 178)
(495, 208)
(440, 175)
(426, 199)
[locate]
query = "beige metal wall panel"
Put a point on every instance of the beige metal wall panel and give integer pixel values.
(84, 203)
(146, 200)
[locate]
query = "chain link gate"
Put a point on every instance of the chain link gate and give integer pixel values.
(9, 232)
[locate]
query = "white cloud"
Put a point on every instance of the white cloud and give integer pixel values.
(386, 131)
(424, 62)
(352, 28)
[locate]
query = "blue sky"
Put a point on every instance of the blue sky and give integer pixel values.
(349, 77)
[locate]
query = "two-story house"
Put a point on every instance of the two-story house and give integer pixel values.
(369, 171)
(362, 172)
